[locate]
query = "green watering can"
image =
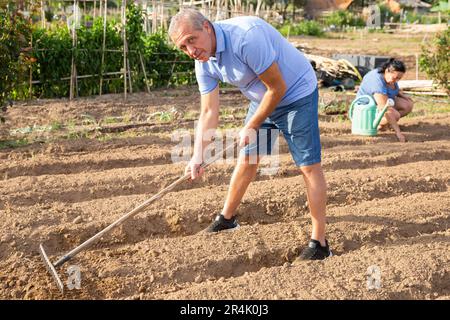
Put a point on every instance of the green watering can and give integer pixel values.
(364, 115)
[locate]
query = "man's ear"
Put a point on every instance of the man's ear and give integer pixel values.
(207, 26)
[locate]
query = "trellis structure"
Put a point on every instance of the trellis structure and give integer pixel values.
(156, 15)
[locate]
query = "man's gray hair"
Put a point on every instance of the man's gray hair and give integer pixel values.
(191, 16)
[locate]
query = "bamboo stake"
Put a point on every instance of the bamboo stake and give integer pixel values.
(76, 79)
(95, 8)
(43, 14)
(103, 47)
(74, 42)
(163, 20)
(171, 72)
(154, 17)
(144, 7)
(130, 83)
(226, 10)
(417, 66)
(30, 93)
(124, 33)
(145, 73)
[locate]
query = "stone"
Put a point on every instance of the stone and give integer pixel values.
(77, 220)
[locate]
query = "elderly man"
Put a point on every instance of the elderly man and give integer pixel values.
(249, 53)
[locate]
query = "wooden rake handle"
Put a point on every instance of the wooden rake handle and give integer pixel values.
(139, 208)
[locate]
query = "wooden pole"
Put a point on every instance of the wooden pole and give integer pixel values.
(124, 33)
(30, 93)
(417, 66)
(95, 8)
(144, 7)
(42, 14)
(103, 48)
(163, 20)
(145, 72)
(154, 17)
(171, 71)
(130, 83)
(73, 71)
(258, 7)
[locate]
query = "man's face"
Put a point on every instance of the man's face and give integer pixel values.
(392, 77)
(197, 44)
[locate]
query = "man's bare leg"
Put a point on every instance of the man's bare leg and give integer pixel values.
(243, 174)
(316, 191)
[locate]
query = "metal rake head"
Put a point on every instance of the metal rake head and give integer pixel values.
(51, 268)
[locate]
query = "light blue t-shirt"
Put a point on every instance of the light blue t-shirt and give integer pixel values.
(245, 48)
(373, 82)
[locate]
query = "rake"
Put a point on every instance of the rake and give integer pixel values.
(52, 266)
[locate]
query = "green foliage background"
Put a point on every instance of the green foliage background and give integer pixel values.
(51, 57)
(435, 59)
(13, 54)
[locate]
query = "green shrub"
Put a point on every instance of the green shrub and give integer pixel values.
(387, 15)
(54, 63)
(14, 36)
(411, 17)
(341, 18)
(435, 59)
(51, 57)
(306, 27)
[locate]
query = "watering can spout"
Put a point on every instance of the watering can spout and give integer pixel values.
(380, 114)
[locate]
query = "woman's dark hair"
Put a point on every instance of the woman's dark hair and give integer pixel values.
(392, 65)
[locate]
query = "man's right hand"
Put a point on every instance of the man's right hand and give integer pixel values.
(194, 169)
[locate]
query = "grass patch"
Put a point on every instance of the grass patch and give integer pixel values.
(12, 144)
(112, 120)
(230, 125)
(191, 115)
(426, 106)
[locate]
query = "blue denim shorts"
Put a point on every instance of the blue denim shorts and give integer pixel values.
(299, 123)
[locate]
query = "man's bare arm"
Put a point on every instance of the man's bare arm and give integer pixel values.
(209, 119)
(276, 88)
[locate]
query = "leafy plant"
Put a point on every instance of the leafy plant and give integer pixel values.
(14, 32)
(306, 27)
(341, 18)
(50, 59)
(435, 61)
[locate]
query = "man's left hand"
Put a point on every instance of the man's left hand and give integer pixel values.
(247, 135)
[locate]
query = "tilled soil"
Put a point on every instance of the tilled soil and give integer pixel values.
(388, 209)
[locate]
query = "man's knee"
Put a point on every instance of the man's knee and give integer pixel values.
(311, 169)
(249, 161)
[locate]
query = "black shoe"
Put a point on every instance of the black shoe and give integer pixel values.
(315, 251)
(221, 224)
